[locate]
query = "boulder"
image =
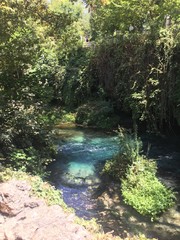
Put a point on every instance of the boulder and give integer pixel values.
(24, 217)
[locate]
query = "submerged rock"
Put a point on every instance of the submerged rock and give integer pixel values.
(28, 218)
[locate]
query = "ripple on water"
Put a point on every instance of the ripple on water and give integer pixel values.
(76, 174)
(77, 166)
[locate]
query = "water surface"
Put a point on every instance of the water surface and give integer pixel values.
(81, 155)
(76, 172)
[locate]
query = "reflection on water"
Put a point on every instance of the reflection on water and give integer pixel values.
(81, 155)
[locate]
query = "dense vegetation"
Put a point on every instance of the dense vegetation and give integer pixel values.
(139, 185)
(37, 44)
(136, 58)
(112, 56)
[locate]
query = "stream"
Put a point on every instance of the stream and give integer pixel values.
(76, 172)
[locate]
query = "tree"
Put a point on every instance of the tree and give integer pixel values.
(134, 58)
(32, 40)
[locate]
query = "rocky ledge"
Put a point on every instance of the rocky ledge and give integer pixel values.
(24, 217)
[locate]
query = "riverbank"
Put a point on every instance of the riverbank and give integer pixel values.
(107, 202)
(115, 215)
(25, 216)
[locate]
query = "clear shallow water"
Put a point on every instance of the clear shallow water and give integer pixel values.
(81, 155)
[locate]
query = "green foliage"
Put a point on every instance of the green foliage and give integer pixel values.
(73, 87)
(139, 185)
(36, 41)
(111, 16)
(67, 117)
(138, 72)
(135, 58)
(131, 145)
(39, 187)
(143, 191)
(130, 149)
(176, 93)
(97, 114)
(29, 160)
(26, 140)
(44, 190)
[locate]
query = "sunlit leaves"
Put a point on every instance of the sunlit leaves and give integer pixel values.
(142, 15)
(36, 40)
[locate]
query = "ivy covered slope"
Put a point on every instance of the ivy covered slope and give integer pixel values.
(136, 61)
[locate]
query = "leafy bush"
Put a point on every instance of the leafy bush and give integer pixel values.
(116, 167)
(26, 138)
(99, 114)
(130, 148)
(142, 190)
(140, 187)
(130, 144)
(30, 160)
(67, 117)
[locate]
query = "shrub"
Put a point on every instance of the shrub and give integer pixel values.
(30, 160)
(67, 117)
(130, 144)
(97, 114)
(140, 187)
(130, 148)
(143, 191)
(116, 167)
(27, 140)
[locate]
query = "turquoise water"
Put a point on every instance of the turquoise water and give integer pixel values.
(76, 172)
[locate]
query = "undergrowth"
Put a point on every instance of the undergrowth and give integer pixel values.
(139, 185)
(67, 117)
(143, 190)
(39, 188)
(99, 114)
(52, 196)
